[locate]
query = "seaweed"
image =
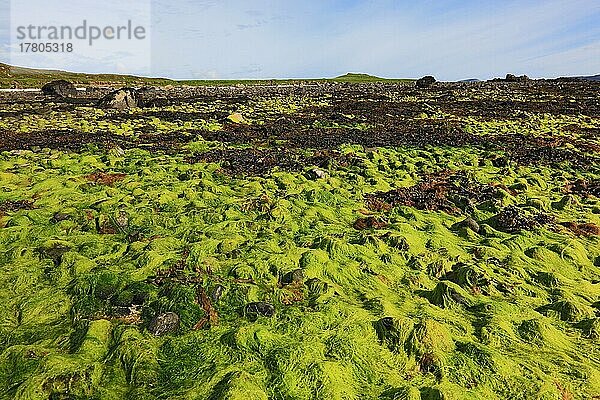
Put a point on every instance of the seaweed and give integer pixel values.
(345, 241)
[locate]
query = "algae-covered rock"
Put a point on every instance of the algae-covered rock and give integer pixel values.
(468, 223)
(448, 294)
(590, 328)
(468, 276)
(216, 292)
(568, 310)
(316, 287)
(121, 99)
(259, 309)
(163, 324)
(236, 118)
(539, 332)
(396, 241)
(405, 393)
(138, 355)
(293, 277)
(393, 332)
(431, 344)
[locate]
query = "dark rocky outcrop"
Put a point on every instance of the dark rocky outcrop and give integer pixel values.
(259, 309)
(514, 78)
(121, 99)
(425, 82)
(293, 277)
(59, 88)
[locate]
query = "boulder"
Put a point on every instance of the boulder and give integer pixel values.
(513, 78)
(469, 223)
(164, 323)
(59, 88)
(259, 309)
(425, 82)
(293, 277)
(120, 99)
(216, 293)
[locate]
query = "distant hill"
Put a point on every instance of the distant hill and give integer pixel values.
(22, 77)
(591, 78)
(35, 78)
(470, 80)
(354, 77)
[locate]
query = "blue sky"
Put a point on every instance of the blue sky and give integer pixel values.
(450, 39)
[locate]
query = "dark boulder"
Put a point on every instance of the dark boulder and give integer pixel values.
(425, 82)
(259, 309)
(293, 277)
(59, 217)
(121, 99)
(164, 323)
(468, 223)
(513, 78)
(59, 88)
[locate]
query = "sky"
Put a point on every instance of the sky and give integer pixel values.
(450, 39)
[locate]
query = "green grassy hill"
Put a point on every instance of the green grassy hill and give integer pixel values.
(34, 78)
(353, 77)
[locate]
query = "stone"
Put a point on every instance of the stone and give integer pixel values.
(237, 118)
(59, 88)
(513, 78)
(164, 323)
(471, 224)
(120, 99)
(319, 173)
(216, 293)
(293, 277)
(59, 217)
(259, 309)
(425, 82)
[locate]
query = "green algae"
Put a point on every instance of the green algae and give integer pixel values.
(415, 309)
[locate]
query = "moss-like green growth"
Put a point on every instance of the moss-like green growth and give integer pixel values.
(383, 267)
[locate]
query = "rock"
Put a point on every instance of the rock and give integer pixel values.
(316, 287)
(237, 118)
(471, 224)
(259, 309)
(369, 223)
(122, 220)
(59, 217)
(293, 277)
(216, 293)
(59, 88)
(513, 78)
(164, 323)
(123, 299)
(425, 82)
(120, 99)
(318, 173)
